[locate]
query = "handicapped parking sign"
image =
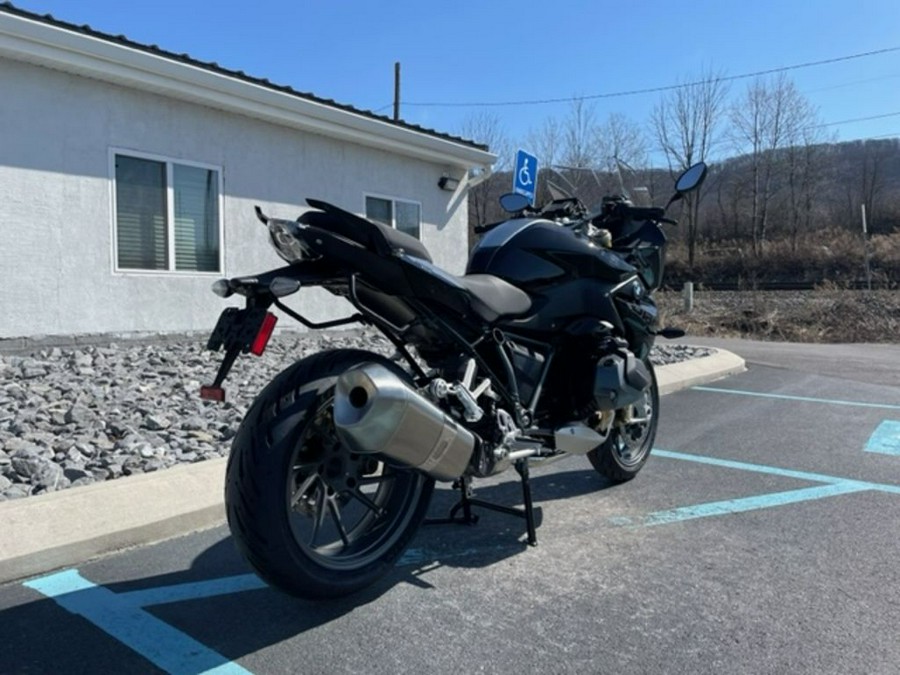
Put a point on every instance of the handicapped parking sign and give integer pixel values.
(525, 175)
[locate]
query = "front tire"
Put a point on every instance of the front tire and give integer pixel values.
(623, 454)
(311, 517)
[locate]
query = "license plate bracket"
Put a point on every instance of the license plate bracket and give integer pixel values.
(236, 329)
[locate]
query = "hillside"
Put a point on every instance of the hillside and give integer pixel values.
(794, 215)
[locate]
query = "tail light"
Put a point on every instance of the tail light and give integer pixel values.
(265, 333)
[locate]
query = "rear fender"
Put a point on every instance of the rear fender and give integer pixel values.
(384, 272)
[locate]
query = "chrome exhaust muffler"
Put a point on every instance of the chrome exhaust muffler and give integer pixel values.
(377, 412)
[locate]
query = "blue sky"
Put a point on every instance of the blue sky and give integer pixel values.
(500, 51)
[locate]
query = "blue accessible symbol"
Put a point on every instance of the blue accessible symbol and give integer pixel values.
(886, 439)
(525, 175)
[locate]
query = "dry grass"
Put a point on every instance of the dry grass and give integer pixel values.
(828, 254)
(827, 314)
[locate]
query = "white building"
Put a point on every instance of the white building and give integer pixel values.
(128, 177)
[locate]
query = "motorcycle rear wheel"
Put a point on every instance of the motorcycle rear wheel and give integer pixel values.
(623, 454)
(311, 517)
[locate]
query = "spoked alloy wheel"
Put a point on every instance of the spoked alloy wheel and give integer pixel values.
(621, 456)
(346, 510)
(313, 518)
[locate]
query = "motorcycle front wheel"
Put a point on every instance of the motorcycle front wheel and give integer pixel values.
(311, 517)
(623, 454)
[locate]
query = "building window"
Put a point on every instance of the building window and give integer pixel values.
(402, 215)
(166, 215)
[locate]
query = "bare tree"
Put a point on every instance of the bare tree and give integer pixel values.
(485, 127)
(805, 170)
(765, 121)
(546, 142)
(865, 181)
(872, 181)
(620, 139)
(570, 141)
(685, 123)
(579, 136)
(569, 148)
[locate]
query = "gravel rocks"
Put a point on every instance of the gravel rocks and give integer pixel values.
(72, 417)
(664, 354)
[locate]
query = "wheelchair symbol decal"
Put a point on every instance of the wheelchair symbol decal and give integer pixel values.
(525, 175)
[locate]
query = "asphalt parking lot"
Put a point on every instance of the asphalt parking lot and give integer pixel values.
(762, 537)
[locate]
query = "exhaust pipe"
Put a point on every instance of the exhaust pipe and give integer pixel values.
(377, 412)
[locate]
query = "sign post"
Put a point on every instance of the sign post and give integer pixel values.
(525, 175)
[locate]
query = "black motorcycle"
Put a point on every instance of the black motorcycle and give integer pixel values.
(539, 351)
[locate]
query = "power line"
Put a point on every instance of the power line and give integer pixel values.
(851, 83)
(652, 90)
(856, 119)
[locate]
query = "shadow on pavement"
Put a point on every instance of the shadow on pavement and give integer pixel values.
(47, 638)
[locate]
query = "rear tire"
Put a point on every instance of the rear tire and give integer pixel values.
(311, 517)
(621, 456)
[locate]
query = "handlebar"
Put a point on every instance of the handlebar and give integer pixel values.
(655, 213)
(646, 212)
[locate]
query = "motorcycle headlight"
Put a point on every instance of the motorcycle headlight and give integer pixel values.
(285, 237)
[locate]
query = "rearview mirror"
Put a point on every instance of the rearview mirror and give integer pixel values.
(691, 178)
(512, 202)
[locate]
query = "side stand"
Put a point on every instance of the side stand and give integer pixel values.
(466, 502)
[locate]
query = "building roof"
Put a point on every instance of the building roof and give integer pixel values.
(48, 41)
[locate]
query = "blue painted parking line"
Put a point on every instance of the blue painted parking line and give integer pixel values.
(420, 556)
(774, 470)
(119, 615)
(833, 486)
(886, 439)
(123, 617)
(804, 399)
(741, 505)
(194, 590)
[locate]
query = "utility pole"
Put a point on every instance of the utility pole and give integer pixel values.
(396, 91)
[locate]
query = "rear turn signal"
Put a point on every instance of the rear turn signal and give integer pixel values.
(265, 332)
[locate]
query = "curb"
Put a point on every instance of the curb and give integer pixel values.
(66, 528)
(676, 376)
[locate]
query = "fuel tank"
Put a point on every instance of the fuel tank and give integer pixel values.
(531, 252)
(566, 275)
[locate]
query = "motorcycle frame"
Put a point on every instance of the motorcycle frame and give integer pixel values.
(426, 304)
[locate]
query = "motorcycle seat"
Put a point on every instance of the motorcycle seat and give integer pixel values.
(487, 296)
(492, 297)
